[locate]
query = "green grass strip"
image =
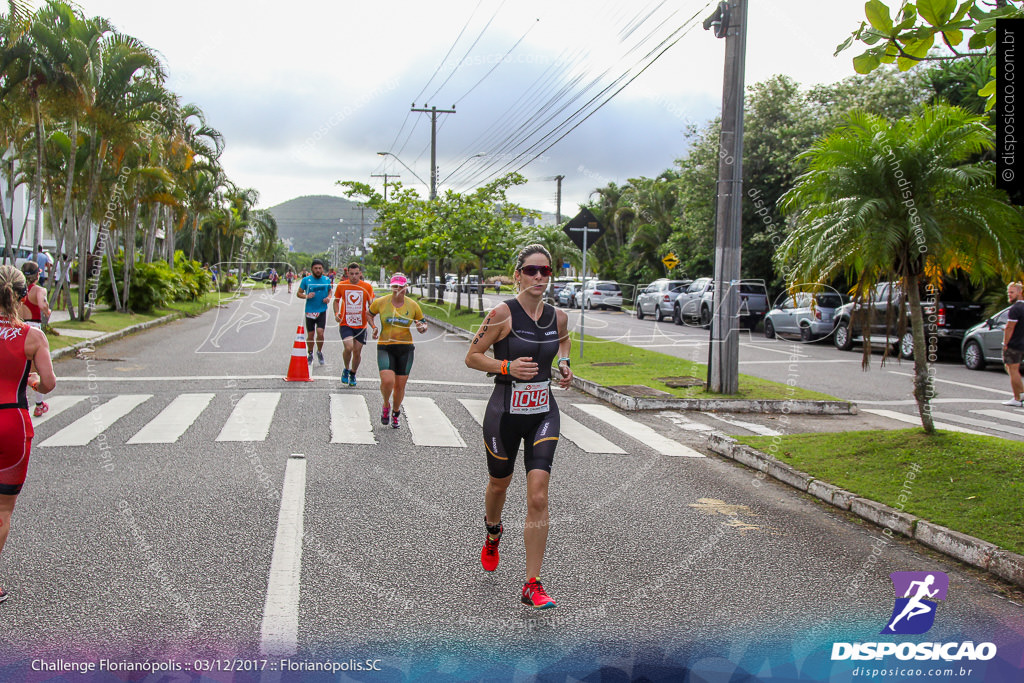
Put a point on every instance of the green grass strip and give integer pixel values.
(972, 484)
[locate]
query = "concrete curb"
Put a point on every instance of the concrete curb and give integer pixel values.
(1006, 565)
(706, 405)
(113, 336)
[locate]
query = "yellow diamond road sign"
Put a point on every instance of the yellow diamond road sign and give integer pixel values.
(670, 261)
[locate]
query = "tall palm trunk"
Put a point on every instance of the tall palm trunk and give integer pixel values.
(922, 378)
(129, 250)
(150, 245)
(38, 199)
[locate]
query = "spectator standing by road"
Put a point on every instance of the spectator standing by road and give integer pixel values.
(352, 299)
(316, 290)
(1013, 342)
(45, 263)
(21, 346)
(395, 348)
(35, 310)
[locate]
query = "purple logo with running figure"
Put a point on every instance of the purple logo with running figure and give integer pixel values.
(917, 594)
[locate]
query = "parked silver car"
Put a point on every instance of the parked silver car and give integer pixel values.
(566, 296)
(600, 294)
(657, 298)
(805, 314)
(696, 302)
(983, 343)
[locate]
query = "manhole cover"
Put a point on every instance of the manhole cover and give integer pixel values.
(639, 391)
(682, 382)
(608, 365)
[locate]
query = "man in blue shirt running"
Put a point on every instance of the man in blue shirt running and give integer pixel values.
(316, 290)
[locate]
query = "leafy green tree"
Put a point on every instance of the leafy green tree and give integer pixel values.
(893, 200)
(908, 37)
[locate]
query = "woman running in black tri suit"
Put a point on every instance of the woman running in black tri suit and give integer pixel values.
(527, 336)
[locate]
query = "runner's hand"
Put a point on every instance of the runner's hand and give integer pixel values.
(327, 299)
(375, 332)
(33, 379)
(566, 380)
(523, 368)
(421, 326)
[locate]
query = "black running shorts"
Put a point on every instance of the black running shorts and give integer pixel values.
(503, 433)
(395, 357)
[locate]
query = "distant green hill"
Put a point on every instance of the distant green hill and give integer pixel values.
(311, 222)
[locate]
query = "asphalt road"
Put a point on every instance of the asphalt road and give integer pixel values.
(180, 551)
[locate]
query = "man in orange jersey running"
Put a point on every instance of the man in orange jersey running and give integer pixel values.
(352, 299)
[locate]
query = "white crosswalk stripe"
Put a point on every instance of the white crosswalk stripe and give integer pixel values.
(58, 404)
(251, 418)
(428, 424)
(638, 431)
(174, 420)
(350, 420)
(915, 420)
(1002, 415)
(586, 439)
(99, 419)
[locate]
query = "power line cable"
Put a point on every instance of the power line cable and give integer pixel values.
(461, 61)
(682, 31)
(520, 135)
(498, 63)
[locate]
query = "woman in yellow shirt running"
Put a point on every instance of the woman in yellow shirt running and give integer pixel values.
(395, 347)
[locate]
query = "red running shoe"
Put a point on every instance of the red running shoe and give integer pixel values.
(385, 414)
(40, 409)
(489, 555)
(535, 596)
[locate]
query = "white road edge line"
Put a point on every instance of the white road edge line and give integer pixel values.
(279, 634)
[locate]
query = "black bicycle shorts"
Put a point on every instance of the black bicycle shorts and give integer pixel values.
(395, 357)
(503, 433)
(317, 320)
(356, 333)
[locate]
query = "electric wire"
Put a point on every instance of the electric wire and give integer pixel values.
(650, 58)
(521, 134)
(470, 49)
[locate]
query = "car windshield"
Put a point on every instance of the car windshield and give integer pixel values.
(608, 287)
(829, 300)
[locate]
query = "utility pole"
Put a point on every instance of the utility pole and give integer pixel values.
(362, 231)
(433, 111)
(385, 176)
(730, 22)
(558, 199)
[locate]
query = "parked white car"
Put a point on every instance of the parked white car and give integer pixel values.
(600, 294)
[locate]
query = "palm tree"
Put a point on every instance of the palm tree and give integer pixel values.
(888, 200)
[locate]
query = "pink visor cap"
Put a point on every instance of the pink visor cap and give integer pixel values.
(399, 281)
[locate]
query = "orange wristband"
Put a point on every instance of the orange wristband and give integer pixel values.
(504, 367)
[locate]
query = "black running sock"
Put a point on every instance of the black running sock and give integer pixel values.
(494, 530)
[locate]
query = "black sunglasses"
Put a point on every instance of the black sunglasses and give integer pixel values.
(533, 270)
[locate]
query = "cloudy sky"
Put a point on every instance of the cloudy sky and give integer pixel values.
(308, 92)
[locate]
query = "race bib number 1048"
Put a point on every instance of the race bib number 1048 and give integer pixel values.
(530, 399)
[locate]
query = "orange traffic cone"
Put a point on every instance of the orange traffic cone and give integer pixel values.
(298, 370)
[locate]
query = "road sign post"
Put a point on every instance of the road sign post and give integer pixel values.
(579, 229)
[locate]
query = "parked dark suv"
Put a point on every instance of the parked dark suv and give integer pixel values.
(947, 318)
